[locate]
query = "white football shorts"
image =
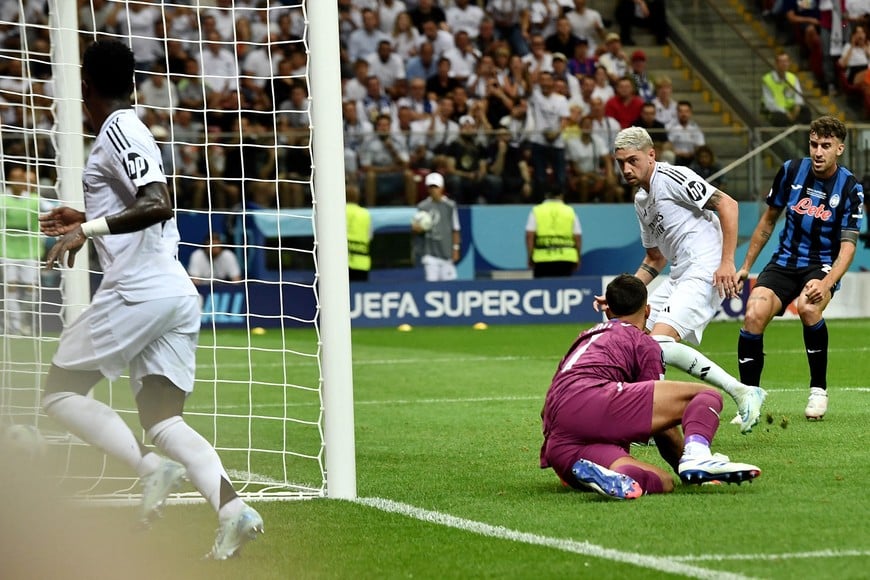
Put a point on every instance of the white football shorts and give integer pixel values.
(437, 269)
(687, 305)
(157, 337)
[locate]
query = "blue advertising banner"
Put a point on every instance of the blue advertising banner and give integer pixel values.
(489, 301)
(418, 304)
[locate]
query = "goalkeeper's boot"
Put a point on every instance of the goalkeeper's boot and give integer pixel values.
(817, 406)
(157, 485)
(606, 482)
(749, 404)
(234, 532)
(717, 467)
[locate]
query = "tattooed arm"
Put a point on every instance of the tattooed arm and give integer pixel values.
(725, 279)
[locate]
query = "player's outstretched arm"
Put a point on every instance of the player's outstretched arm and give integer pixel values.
(152, 206)
(60, 220)
(725, 278)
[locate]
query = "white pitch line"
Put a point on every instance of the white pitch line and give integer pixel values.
(311, 360)
(446, 401)
(668, 565)
(774, 557)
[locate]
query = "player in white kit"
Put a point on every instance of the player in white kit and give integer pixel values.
(688, 222)
(144, 316)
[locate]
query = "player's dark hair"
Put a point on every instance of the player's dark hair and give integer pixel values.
(109, 66)
(828, 126)
(626, 294)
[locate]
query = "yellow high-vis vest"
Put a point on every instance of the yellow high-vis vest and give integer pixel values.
(554, 237)
(783, 91)
(359, 222)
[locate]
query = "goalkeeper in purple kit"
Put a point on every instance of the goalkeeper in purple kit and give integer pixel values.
(608, 392)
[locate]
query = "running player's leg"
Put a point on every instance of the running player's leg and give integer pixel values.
(683, 310)
(766, 300)
(815, 334)
(86, 353)
(161, 405)
(65, 400)
(162, 376)
(698, 407)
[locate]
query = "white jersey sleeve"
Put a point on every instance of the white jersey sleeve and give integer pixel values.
(140, 265)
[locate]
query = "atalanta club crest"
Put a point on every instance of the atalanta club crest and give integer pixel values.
(834, 201)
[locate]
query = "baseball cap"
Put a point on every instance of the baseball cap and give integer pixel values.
(559, 56)
(435, 179)
(611, 37)
(638, 55)
(466, 120)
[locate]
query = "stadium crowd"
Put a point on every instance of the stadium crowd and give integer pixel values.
(508, 99)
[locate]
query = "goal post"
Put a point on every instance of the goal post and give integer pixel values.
(274, 382)
(329, 202)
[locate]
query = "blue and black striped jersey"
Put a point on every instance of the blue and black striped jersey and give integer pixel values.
(817, 212)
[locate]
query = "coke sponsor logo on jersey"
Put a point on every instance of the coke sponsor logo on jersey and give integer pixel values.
(805, 207)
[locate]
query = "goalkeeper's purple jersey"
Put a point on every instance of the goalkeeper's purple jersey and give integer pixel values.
(612, 351)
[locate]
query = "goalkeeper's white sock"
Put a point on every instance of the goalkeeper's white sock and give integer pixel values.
(699, 366)
(98, 424)
(179, 441)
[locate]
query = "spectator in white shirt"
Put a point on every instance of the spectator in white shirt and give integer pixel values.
(364, 41)
(548, 115)
(587, 23)
(465, 16)
(405, 36)
(213, 263)
(685, 135)
(218, 66)
(463, 57)
(441, 40)
(388, 66)
(614, 59)
(388, 11)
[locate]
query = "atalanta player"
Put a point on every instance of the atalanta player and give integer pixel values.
(823, 204)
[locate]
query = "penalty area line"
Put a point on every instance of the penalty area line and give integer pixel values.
(668, 565)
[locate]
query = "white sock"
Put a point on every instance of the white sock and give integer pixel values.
(699, 366)
(97, 424)
(13, 310)
(150, 462)
(179, 441)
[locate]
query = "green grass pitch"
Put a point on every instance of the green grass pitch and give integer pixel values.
(448, 435)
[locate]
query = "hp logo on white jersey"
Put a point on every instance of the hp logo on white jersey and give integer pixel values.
(137, 166)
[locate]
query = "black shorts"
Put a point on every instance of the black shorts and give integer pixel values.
(787, 283)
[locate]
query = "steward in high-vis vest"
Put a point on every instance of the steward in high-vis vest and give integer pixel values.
(359, 236)
(553, 238)
(781, 95)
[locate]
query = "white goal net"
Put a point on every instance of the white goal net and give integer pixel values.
(225, 87)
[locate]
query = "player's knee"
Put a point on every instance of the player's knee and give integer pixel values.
(158, 400)
(754, 321)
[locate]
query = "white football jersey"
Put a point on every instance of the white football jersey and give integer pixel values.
(140, 265)
(672, 219)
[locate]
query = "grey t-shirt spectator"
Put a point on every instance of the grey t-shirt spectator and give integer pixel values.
(438, 241)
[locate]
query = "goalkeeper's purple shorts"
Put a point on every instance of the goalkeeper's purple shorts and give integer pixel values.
(597, 423)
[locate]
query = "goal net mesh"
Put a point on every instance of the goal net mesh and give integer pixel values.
(223, 85)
